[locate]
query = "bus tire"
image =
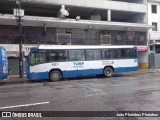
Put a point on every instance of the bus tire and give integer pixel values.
(108, 72)
(55, 75)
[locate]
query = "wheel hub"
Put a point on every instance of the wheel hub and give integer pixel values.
(55, 75)
(108, 72)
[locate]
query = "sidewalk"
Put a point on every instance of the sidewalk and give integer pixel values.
(147, 70)
(141, 71)
(14, 79)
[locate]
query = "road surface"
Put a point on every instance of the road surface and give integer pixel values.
(137, 91)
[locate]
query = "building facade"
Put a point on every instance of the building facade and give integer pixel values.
(90, 22)
(154, 33)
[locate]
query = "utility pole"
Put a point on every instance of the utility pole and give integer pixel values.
(19, 13)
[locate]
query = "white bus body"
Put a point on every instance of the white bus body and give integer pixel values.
(55, 70)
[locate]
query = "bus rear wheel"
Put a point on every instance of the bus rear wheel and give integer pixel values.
(55, 75)
(108, 72)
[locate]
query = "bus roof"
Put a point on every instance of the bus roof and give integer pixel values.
(82, 46)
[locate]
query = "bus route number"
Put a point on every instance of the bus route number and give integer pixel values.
(54, 64)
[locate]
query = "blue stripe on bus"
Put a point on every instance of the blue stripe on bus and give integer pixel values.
(38, 75)
(125, 69)
(82, 72)
(72, 73)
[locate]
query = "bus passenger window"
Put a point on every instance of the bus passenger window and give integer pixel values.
(128, 53)
(109, 54)
(125, 53)
(58, 55)
(93, 54)
(76, 55)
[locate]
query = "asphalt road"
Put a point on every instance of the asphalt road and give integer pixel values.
(137, 91)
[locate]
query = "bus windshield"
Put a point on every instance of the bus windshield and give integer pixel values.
(38, 57)
(44, 56)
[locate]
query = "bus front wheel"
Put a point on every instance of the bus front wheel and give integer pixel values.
(108, 72)
(55, 75)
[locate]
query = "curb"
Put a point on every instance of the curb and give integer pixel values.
(14, 79)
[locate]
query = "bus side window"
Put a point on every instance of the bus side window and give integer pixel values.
(124, 53)
(93, 54)
(58, 55)
(76, 55)
(63, 56)
(128, 53)
(53, 57)
(109, 54)
(134, 52)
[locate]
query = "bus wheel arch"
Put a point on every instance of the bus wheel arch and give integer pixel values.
(108, 71)
(55, 75)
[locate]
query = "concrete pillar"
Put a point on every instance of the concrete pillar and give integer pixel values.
(109, 15)
(145, 1)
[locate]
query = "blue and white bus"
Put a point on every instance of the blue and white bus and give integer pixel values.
(55, 62)
(3, 63)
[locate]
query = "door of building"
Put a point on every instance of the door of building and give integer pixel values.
(152, 60)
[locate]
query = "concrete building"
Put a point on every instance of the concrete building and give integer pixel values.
(90, 22)
(154, 33)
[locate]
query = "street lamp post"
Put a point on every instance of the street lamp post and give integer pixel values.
(19, 13)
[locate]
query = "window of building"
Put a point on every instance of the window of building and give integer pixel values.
(118, 37)
(141, 38)
(93, 54)
(151, 48)
(130, 37)
(105, 39)
(154, 8)
(64, 39)
(76, 55)
(154, 26)
(157, 49)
